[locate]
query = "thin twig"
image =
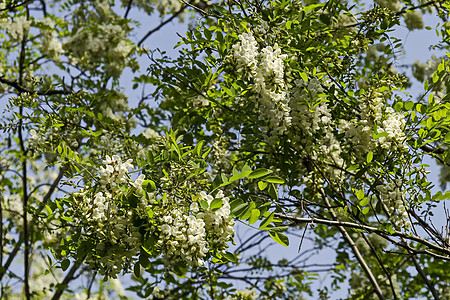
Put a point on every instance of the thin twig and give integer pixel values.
(162, 24)
(370, 229)
(380, 262)
(424, 276)
(21, 89)
(69, 276)
(128, 9)
(355, 250)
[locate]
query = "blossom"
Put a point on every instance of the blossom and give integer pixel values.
(18, 28)
(393, 197)
(265, 68)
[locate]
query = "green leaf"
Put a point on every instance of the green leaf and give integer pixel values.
(49, 210)
(274, 179)
(325, 19)
(273, 192)
(398, 106)
(254, 216)
(207, 34)
(246, 168)
(259, 173)
(137, 270)
(132, 200)
(216, 204)
(231, 92)
(65, 264)
(288, 24)
(280, 238)
(240, 175)
(304, 76)
(230, 256)
(149, 185)
(240, 209)
(262, 185)
(204, 155)
(378, 207)
(435, 78)
(144, 259)
(68, 219)
(267, 221)
(365, 210)
(248, 210)
(409, 105)
(203, 204)
(447, 137)
(224, 178)
(379, 135)
(369, 156)
(360, 194)
(364, 201)
(198, 148)
(278, 228)
(353, 168)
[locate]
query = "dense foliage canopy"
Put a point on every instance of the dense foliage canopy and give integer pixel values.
(279, 122)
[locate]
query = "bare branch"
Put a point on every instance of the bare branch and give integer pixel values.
(371, 229)
(22, 89)
(355, 250)
(162, 24)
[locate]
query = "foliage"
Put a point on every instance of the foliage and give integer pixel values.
(285, 117)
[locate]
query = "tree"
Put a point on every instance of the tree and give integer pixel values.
(289, 117)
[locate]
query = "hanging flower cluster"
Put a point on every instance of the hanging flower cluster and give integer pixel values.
(393, 197)
(188, 237)
(265, 68)
(50, 42)
(106, 46)
(374, 113)
(106, 221)
(18, 28)
(312, 128)
(117, 214)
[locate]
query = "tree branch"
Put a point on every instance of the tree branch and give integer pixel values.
(40, 208)
(69, 276)
(22, 89)
(369, 229)
(355, 250)
(424, 276)
(162, 24)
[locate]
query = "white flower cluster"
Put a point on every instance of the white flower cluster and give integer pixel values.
(394, 124)
(107, 44)
(184, 232)
(265, 68)
(218, 223)
(18, 28)
(220, 155)
(183, 237)
(246, 294)
(312, 127)
(394, 5)
(105, 221)
(373, 111)
(50, 43)
(392, 195)
(189, 237)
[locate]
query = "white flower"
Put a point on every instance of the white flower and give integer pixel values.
(18, 28)
(194, 207)
(138, 182)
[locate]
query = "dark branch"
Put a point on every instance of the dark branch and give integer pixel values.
(162, 24)
(22, 89)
